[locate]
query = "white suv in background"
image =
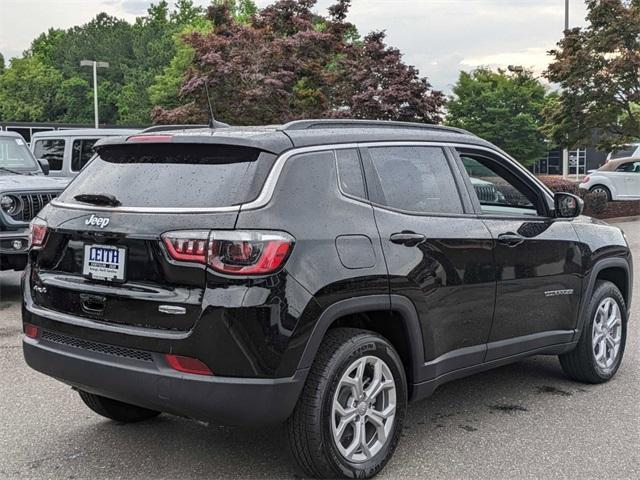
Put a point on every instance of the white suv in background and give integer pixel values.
(67, 151)
(619, 179)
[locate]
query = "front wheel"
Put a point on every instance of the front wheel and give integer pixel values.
(599, 352)
(348, 419)
(602, 189)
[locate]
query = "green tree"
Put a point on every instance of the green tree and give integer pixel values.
(505, 109)
(165, 90)
(154, 48)
(28, 91)
(598, 68)
(75, 96)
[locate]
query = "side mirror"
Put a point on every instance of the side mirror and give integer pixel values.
(567, 205)
(44, 165)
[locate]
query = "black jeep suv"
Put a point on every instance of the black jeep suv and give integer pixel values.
(319, 273)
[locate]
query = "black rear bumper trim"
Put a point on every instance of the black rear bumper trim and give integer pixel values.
(153, 385)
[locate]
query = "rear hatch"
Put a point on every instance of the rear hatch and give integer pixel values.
(104, 258)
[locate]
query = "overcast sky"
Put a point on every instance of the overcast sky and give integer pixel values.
(440, 37)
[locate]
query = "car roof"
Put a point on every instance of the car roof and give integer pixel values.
(4, 133)
(86, 132)
(611, 165)
(306, 133)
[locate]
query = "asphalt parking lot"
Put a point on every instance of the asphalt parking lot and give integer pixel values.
(521, 421)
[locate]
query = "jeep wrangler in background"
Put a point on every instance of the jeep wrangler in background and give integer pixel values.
(24, 191)
(318, 273)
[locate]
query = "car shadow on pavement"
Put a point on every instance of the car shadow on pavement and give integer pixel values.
(171, 447)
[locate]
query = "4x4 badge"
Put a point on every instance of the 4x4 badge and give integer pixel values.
(97, 221)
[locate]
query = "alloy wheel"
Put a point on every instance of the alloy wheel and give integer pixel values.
(363, 409)
(607, 334)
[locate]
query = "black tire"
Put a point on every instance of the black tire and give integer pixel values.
(309, 429)
(602, 188)
(115, 410)
(580, 364)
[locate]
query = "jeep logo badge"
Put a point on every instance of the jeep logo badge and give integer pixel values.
(97, 221)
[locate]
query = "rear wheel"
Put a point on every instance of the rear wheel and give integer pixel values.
(599, 352)
(115, 410)
(348, 419)
(601, 189)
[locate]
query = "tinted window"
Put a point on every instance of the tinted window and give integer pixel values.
(498, 191)
(415, 179)
(81, 153)
(52, 151)
(350, 173)
(173, 175)
(629, 167)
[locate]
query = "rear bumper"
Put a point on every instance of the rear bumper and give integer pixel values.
(150, 383)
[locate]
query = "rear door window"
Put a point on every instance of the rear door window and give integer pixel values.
(81, 152)
(52, 151)
(414, 179)
(174, 175)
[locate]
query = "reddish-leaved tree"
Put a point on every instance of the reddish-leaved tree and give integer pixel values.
(287, 62)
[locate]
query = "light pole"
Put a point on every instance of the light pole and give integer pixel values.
(565, 152)
(95, 65)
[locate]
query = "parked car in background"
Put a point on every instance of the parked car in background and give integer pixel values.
(67, 151)
(628, 151)
(618, 179)
(24, 191)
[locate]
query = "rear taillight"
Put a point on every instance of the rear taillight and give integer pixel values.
(187, 365)
(187, 245)
(37, 232)
(231, 252)
(586, 179)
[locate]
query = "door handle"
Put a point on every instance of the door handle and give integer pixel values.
(510, 239)
(410, 239)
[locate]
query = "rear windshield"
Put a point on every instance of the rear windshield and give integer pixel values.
(624, 153)
(174, 175)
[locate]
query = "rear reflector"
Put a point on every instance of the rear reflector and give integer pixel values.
(187, 365)
(31, 330)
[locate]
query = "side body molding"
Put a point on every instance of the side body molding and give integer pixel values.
(394, 303)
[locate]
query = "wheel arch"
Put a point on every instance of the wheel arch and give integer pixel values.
(615, 270)
(351, 312)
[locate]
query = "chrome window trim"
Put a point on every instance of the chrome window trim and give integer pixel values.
(97, 208)
(270, 183)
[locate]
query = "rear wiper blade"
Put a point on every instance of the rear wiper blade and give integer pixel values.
(98, 199)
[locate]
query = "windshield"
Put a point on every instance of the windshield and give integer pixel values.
(15, 156)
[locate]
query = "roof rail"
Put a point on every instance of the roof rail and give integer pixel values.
(166, 128)
(352, 123)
